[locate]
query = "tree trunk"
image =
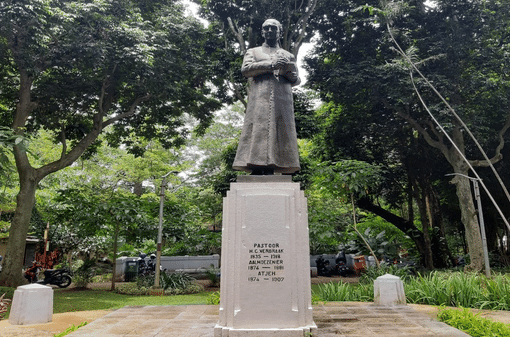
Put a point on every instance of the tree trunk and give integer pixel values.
(466, 203)
(115, 238)
(11, 275)
(470, 221)
(421, 199)
(406, 226)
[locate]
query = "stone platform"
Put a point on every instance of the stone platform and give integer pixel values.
(332, 319)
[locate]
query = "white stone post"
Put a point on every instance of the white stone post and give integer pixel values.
(32, 304)
(389, 291)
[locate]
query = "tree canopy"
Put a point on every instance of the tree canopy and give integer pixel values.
(460, 47)
(78, 68)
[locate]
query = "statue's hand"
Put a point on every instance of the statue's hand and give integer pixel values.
(281, 61)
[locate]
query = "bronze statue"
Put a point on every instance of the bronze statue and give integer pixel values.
(268, 140)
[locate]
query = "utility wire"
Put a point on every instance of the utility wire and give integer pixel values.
(401, 52)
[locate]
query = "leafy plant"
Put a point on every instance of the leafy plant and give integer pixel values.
(84, 274)
(214, 298)
(4, 304)
(342, 291)
(167, 281)
(372, 273)
(175, 280)
(213, 276)
(70, 329)
(472, 324)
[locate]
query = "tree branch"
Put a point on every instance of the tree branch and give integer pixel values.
(237, 34)
(501, 133)
(130, 112)
(63, 141)
(303, 23)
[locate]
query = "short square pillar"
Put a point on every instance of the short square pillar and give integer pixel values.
(32, 304)
(389, 291)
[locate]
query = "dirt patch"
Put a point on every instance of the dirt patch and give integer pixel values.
(59, 323)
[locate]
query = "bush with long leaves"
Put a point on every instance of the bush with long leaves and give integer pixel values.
(468, 290)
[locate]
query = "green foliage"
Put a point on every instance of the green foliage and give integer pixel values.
(4, 305)
(172, 284)
(84, 273)
(340, 291)
(214, 298)
(175, 280)
(8, 291)
(468, 290)
(167, 281)
(457, 289)
(70, 329)
(473, 324)
(67, 300)
(213, 276)
(372, 273)
(347, 176)
(384, 238)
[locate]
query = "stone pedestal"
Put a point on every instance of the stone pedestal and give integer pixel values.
(32, 304)
(389, 291)
(265, 265)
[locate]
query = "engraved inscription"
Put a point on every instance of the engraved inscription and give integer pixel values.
(266, 263)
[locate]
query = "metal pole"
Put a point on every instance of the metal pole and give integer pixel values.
(482, 228)
(160, 232)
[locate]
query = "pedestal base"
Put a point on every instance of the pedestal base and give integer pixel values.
(265, 264)
(230, 332)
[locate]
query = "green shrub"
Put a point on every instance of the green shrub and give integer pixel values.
(192, 288)
(145, 281)
(102, 278)
(175, 280)
(172, 284)
(213, 276)
(8, 291)
(341, 292)
(84, 274)
(458, 289)
(4, 305)
(372, 273)
(134, 289)
(472, 324)
(131, 289)
(214, 298)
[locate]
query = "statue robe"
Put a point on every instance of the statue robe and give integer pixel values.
(268, 138)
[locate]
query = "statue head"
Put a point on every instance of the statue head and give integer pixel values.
(271, 29)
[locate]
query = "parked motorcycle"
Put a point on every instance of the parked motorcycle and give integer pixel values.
(341, 269)
(144, 267)
(322, 267)
(59, 277)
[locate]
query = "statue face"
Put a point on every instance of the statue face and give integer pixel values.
(271, 30)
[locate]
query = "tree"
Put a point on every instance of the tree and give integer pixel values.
(461, 48)
(238, 23)
(80, 69)
(110, 217)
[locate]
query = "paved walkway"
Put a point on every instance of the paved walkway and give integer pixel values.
(332, 319)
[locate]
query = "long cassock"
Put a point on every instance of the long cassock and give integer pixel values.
(268, 138)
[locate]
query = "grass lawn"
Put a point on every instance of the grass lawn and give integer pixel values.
(68, 300)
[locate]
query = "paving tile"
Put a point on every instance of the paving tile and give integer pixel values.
(332, 319)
